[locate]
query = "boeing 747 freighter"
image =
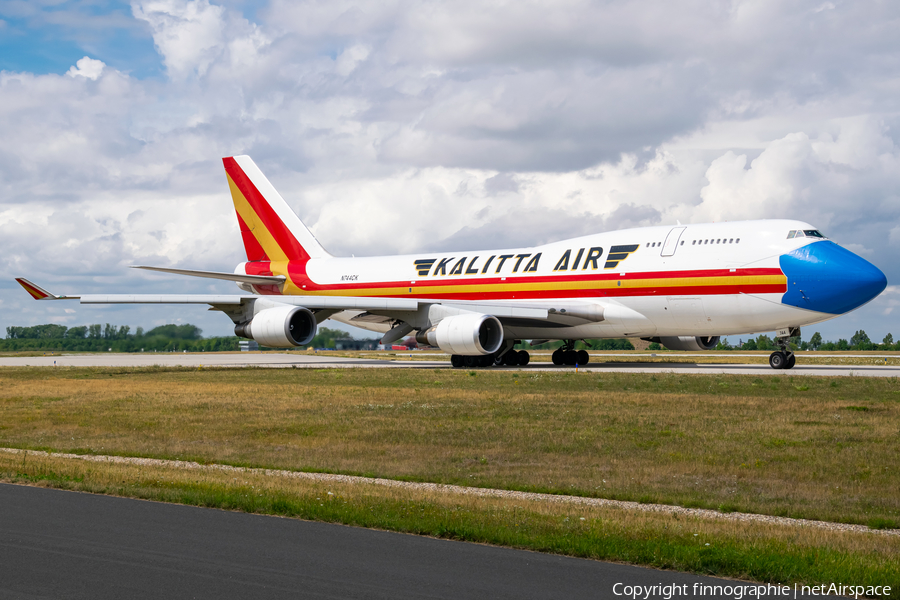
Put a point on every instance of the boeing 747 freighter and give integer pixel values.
(683, 286)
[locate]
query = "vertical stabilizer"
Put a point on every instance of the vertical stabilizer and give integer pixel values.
(270, 229)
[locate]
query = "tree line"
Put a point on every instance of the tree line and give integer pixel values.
(858, 341)
(101, 338)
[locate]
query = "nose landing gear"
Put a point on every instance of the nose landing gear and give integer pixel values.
(784, 357)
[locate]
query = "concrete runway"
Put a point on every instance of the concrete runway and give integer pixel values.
(304, 360)
(70, 545)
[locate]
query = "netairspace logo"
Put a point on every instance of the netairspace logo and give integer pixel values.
(740, 591)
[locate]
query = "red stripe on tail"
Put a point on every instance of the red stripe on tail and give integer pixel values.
(269, 218)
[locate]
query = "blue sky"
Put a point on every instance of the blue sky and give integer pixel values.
(543, 120)
(48, 38)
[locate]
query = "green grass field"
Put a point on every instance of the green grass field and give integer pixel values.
(818, 448)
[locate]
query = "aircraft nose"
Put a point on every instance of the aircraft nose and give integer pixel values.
(826, 278)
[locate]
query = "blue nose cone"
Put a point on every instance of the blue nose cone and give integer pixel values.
(826, 278)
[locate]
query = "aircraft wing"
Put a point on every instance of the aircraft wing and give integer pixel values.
(312, 302)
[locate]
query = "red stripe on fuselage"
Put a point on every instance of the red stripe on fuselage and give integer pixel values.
(498, 280)
(551, 291)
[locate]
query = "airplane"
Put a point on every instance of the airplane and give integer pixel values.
(682, 286)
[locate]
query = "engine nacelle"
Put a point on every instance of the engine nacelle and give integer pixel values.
(467, 334)
(280, 327)
(688, 342)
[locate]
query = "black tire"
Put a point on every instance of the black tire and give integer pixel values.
(777, 360)
(472, 362)
(570, 357)
(582, 357)
(486, 361)
(558, 357)
(511, 358)
(523, 357)
(791, 361)
(456, 360)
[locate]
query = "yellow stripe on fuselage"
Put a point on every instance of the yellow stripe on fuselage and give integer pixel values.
(662, 283)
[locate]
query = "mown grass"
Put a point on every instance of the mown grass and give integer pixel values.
(752, 551)
(791, 446)
(600, 357)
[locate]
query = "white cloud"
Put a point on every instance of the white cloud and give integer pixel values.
(87, 67)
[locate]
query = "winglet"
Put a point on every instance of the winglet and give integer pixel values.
(36, 291)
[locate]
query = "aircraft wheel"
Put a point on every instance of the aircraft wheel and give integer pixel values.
(558, 357)
(583, 357)
(570, 357)
(523, 357)
(791, 361)
(486, 361)
(777, 360)
(511, 358)
(472, 361)
(457, 361)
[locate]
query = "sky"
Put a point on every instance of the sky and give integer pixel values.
(409, 126)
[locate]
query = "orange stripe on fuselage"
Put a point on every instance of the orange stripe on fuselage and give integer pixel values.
(675, 283)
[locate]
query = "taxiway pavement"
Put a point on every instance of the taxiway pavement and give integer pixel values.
(60, 544)
(324, 361)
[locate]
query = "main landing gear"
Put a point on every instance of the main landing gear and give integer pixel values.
(784, 357)
(506, 357)
(567, 355)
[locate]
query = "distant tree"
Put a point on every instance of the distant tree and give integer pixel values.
(178, 332)
(94, 331)
(723, 345)
(325, 337)
(842, 345)
(139, 332)
(861, 341)
(888, 340)
(749, 345)
(654, 346)
(76, 333)
(815, 341)
(764, 342)
(608, 344)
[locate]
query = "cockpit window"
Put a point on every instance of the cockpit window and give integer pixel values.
(814, 233)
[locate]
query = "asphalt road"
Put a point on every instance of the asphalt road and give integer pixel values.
(805, 366)
(68, 545)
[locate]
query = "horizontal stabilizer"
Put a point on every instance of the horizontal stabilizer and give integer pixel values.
(239, 277)
(39, 293)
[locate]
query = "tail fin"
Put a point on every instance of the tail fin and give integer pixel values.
(270, 229)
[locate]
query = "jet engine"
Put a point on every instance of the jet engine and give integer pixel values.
(466, 334)
(280, 327)
(687, 342)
